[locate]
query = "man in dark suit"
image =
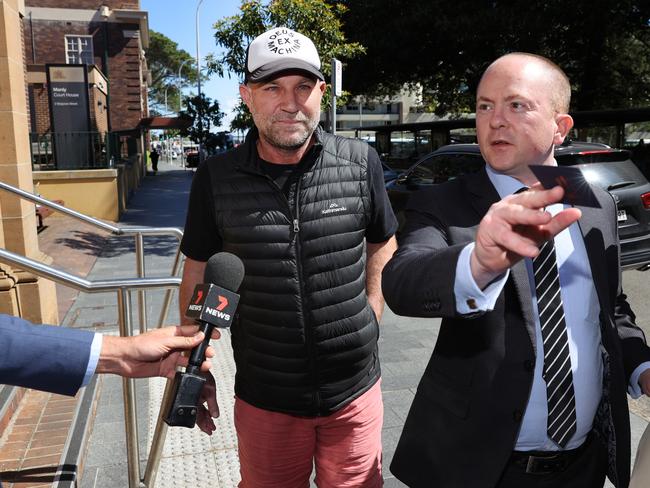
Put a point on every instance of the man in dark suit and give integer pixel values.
(61, 360)
(527, 383)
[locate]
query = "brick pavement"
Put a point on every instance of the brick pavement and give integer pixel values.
(32, 448)
(74, 247)
(33, 441)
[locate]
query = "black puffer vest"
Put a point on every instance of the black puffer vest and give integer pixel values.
(304, 338)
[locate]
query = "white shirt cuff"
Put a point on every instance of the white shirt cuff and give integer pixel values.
(634, 389)
(470, 299)
(93, 358)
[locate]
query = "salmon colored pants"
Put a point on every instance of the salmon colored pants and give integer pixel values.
(277, 450)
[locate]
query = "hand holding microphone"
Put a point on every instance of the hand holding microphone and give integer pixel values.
(213, 304)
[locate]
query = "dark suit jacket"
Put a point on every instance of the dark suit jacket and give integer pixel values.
(465, 418)
(43, 357)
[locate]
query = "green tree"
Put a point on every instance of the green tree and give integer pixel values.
(444, 46)
(317, 19)
(164, 58)
(211, 116)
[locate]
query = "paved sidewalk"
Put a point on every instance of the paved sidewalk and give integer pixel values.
(32, 445)
(191, 459)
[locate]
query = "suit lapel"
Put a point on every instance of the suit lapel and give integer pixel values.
(482, 191)
(590, 224)
(483, 195)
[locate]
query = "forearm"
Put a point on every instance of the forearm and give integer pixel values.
(157, 352)
(43, 357)
(378, 255)
(419, 281)
(115, 355)
(633, 340)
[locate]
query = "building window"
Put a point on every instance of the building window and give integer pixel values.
(79, 50)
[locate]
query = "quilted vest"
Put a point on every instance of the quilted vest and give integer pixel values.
(304, 337)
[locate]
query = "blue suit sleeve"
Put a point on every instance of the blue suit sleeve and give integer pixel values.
(43, 357)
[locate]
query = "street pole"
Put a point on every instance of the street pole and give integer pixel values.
(333, 113)
(180, 103)
(337, 89)
(180, 81)
(198, 83)
(360, 111)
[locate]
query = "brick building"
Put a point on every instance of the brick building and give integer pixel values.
(102, 42)
(110, 36)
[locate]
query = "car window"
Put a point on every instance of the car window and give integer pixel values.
(444, 167)
(613, 175)
(591, 157)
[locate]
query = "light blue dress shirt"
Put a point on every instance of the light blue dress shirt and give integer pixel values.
(581, 309)
(93, 358)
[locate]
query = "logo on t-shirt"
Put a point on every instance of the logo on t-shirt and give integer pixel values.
(333, 208)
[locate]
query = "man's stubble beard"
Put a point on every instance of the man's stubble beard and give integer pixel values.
(290, 142)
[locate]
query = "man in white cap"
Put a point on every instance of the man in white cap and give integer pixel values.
(307, 213)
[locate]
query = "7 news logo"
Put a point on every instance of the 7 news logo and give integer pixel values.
(198, 305)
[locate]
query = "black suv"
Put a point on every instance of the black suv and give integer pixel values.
(601, 165)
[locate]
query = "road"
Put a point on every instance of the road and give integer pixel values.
(636, 285)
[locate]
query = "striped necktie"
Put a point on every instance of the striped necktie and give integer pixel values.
(561, 422)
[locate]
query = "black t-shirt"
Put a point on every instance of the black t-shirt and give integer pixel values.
(202, 238)
(284, 175)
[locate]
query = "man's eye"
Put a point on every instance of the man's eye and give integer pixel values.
(483, 107)
(518, 106)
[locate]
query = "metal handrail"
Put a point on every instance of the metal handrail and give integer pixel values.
(81, 284)
(137, 232)
(122, 287)
(91, 220)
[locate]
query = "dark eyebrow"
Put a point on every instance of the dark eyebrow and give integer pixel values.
(520, 97)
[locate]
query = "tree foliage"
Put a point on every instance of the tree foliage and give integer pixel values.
(317, 19)
(164, 59)
(210, 116)
(444, 46)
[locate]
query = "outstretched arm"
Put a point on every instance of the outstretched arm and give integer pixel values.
(514, 228)
(155, 353)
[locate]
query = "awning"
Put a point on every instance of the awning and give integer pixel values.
(165, 123)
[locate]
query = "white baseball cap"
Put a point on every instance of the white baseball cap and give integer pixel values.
(281, 49)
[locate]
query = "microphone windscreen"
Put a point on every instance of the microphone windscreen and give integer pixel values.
(224, 269)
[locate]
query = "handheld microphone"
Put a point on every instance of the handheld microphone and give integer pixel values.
(213, 304)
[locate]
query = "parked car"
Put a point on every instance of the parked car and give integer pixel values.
(192, 159)
(389, 173)
(611, 169)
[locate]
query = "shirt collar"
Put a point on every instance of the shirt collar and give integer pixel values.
(504, 184)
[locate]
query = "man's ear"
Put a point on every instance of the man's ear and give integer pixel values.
(564, 124)
(245, 94)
